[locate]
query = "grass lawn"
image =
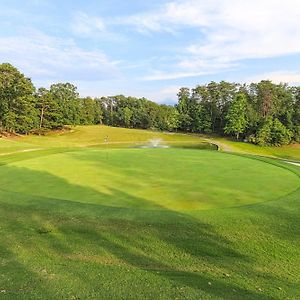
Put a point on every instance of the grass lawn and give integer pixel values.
(82, 220)
(289, 152)
(89, 136)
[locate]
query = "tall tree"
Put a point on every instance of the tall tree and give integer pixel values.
(183, 107)
(49, 113)
(90, 111)
(67, 97)
(236, 116)
(17, 103)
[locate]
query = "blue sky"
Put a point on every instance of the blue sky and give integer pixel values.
(151, 48)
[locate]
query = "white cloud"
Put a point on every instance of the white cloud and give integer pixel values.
(45, 57)
(170, 17)
(169, 93)
(128, 87)
(83, 24)
(189, 38)
(277, 77)
(157, 75)
(195, 67)
(229, 31)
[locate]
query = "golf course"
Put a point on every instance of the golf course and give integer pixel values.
(101, 212)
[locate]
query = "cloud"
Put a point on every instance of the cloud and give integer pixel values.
(169, 18)
(167, 94)
(129, 87)
(46, 57)
(277, 77)
(187, 67)
(83, 24)
(229, 31)
(157, 75)
(185, 41)
(91, 27)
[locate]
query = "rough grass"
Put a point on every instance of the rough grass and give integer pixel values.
(83, 136)
(56, 249)
(94, 136)
(289, 152)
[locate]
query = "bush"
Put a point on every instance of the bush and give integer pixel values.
(272, 133)
(297, 134)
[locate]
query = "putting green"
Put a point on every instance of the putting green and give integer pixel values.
(171, 179)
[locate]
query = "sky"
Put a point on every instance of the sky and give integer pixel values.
(151, 48)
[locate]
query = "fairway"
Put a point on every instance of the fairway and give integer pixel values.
(172, 179)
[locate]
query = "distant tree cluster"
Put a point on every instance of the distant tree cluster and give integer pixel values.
(141, 113)
(24, 109)
(263, 113)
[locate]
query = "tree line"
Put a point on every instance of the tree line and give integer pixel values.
(262, 113)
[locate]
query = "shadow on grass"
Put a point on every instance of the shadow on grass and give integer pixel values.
(17, 281)
(68, 237)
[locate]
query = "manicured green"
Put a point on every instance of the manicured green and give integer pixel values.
(81, 219)
(172, 179)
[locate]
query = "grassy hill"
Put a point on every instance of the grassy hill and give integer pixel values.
(85, 219)
(94, 136)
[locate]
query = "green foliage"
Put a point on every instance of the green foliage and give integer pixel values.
(90, 111)
(184, 109)
(272, 133)
(236, 117)
(296, 116)
(127, 113)
(17, 103)
(242, 109)
(134, 112)
(171, 118)
(219, 108)
(297, 133)
(280, 134)
(67, 98)
(50, 116)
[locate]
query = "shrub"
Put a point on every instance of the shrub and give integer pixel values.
(272, 133)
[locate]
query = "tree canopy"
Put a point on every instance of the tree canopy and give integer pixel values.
(263, 113)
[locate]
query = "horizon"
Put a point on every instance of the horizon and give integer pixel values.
(151, 49)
